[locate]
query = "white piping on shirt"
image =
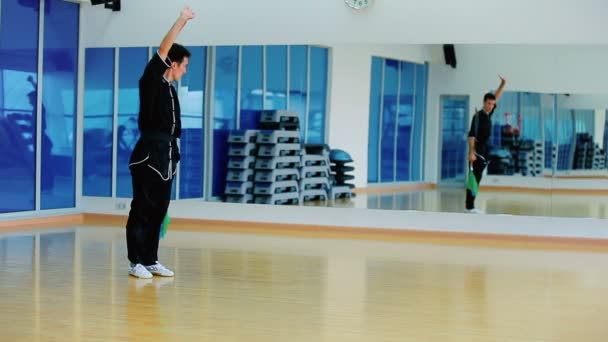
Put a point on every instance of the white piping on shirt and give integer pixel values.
(141, 161)
(160, 174)
(164, 61)
(172, 110)
(170, 173)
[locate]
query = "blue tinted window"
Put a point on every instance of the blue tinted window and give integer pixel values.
(605, 127)
(276, 77)
(565, 133)
(404, 121)
(318, 93)
(224, 111)
(18, 78)
(532, 123)
(417, 159)
(375, 103)
(397, 115)
(98, 122)
(58, 163)
(298, 82)
(192, 103)
(454, 142)
(252, 85)
(548, 108)
(131, 64)
(389, 113)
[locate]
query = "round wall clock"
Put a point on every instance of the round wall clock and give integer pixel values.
(358, 4)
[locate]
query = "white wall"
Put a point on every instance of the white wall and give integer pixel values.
(584, 101)
(350, 96)
(576, 69)
(234, 22)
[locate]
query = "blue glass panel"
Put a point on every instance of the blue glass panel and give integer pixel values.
(548, 108)
(18, 78)
(276, 77)
(405, 117)
(298, 82)
(565, 134)
(98, 122)
(375, 103)
(224, 111)
(60, 68)
(131, 64)
(192, 143)
(389, 113)
(454, 143)
(531, 118)
(318, 95)
(252, 86)
(417, 159)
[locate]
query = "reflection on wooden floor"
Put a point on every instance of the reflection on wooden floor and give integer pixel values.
(492, 202)
(71, 284)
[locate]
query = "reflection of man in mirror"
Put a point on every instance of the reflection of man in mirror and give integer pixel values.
(48, 178)
(128, 134)
(481, 130)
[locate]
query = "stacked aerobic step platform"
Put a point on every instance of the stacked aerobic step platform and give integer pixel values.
(278, 158)
(242, 151)
(314, 173)
(271, 166)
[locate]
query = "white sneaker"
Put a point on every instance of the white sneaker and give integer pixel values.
(160, 270)
(140, 271)
(474, 211)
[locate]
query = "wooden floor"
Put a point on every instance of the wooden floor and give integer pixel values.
(71, 285)
(578, 205)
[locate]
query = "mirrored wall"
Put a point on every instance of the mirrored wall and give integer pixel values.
(548, 134)
(548, 157)
(548, 148)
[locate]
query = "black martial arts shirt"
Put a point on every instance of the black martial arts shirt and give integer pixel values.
(159, 122)
(159, 109)
(481, 127)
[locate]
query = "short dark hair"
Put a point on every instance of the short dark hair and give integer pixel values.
(177, 53)
(489, 96)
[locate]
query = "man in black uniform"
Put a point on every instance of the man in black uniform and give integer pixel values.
(481, 130)
(154, 159)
